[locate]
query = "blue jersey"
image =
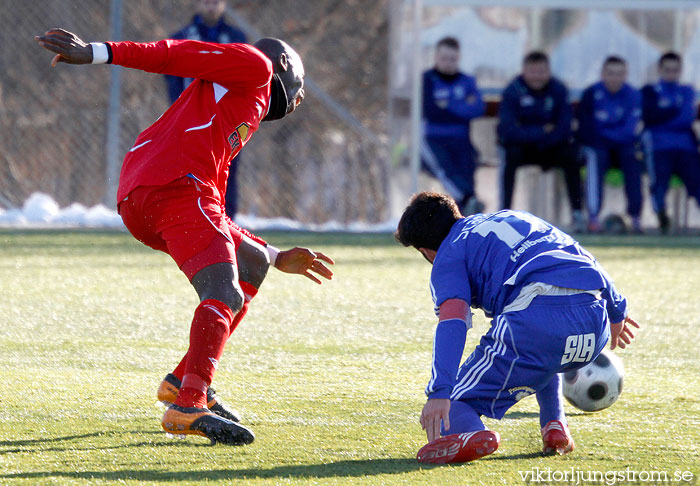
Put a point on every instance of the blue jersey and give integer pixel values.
(221, 33)
(668, 110)
(612, 117)
(450, 102)
(486, 260)
(524, 112)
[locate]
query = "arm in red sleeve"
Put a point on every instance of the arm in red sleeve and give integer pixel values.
(253, 237)
(247, 233)
(227, 64)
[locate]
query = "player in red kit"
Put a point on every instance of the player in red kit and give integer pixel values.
(171, 195)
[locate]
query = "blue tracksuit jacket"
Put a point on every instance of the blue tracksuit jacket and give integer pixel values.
(668, 110)
(606, 117)
(524, 112)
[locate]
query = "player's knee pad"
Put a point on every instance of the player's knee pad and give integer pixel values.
(233, 297)
(220, 281)
(230, 294)
(253, 262)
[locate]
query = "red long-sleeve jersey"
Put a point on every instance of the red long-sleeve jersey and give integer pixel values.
(209, 123)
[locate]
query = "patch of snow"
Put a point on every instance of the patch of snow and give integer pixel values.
(41, 211)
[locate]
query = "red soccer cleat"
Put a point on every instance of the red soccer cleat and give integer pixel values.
(556, 438)
(465, 447)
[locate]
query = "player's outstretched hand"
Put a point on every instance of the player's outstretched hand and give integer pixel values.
(304, 261)
(435, 410)
(68, 47)
(621, 333)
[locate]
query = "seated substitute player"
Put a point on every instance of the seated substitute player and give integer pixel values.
(609, 117)
(670, 144)
(534, 128)
(550, 301)
(171, 195)
(451, 100)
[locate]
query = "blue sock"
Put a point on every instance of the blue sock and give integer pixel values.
(463, 418)
(551, 402)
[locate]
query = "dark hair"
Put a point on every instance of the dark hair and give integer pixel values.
(535, 56)
(614, 60)
(448, 42)
(427, 220)
(669, 56)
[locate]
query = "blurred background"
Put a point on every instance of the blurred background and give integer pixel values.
(347, 156)
(495, 36)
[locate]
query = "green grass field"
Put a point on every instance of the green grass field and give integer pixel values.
(329, 377)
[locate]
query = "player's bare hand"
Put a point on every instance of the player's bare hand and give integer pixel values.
(303, 262)
(68, 47)
(621, 333)
(435, 411)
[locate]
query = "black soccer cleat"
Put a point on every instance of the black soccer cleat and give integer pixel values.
(201, 421)
(170, 386)
(220, 408)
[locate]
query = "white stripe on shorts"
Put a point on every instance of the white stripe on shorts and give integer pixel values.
(510, 370)
(472, 377)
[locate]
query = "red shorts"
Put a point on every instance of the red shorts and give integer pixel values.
(185, 219)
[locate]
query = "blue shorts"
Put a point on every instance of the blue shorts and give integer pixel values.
(524, 349)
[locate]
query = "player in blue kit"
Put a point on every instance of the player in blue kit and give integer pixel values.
(534, 128)
(670, 145)
(451, 101)
(609, 119)
(550, 301)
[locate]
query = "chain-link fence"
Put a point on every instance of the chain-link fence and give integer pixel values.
(323, 163)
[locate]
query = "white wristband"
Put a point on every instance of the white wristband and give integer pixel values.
(100, 54)
(273, 252)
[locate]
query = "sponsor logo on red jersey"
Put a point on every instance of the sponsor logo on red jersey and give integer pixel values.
(239, 136)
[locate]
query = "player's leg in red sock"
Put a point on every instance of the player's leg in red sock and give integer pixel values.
(253, 264)
(249, 271)
(249, 292)
(208, 334)
(179, 371)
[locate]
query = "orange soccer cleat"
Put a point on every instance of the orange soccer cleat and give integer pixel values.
(556, 438)
(168, 389)
(465, 447)
(170, 386)
(201, 421)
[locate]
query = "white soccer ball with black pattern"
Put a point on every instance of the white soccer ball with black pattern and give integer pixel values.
(597, 385)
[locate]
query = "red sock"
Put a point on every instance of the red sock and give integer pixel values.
(179, 371)
(193, 391)
(249, 291)
(208, 334)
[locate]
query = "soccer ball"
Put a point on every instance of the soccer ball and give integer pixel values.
(597, 385)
